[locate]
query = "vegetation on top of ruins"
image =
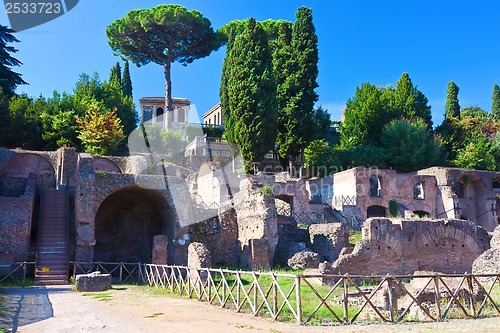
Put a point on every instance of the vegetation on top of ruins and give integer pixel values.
(266, 190)
(100, 131)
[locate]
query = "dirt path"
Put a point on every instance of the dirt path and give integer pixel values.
(131, 309)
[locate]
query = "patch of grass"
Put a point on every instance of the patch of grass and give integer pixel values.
(28, 283)
(354, 237)
(154, 315)
(102, 296)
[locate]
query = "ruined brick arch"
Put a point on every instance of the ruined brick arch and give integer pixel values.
(126, 221)
(446, 235)
(389, 242)
(22, 164)
(104, 164)
(422, 213)
(376, 211)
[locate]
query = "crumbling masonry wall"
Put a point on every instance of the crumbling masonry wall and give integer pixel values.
(257, 225)
(406, 246)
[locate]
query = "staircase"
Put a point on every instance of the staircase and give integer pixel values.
(52, 258)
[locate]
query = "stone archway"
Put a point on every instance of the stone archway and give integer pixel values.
(376, 211)
(21, 165)
(126, 222)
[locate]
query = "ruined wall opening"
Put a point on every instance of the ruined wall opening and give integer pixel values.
(376, 211)
(421, 213)
(473, 201)
(375, 186)
(284, 204)
(126, 222)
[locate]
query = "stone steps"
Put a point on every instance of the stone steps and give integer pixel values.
(52, 263)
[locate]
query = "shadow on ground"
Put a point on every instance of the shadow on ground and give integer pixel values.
(23, 306)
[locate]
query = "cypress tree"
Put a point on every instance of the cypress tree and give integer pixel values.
(251, 101)
(296, 68)
(452, 108)
(115, 76)
(223, 91)
(126, 81)
(495, 105)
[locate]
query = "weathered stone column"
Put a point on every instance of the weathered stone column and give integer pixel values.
(257, 224)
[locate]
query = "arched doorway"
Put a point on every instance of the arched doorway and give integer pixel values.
(376, 211)
(126, 223)
(21, 165)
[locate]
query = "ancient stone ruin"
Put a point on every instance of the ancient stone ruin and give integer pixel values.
(125, 209)
(406, 246)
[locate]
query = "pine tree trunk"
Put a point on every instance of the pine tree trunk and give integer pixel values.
(168, 96)
(292, 165)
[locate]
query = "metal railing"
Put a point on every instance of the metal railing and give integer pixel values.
(347, 299)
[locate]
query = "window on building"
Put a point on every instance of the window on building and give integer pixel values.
(147, 114)
(159, 112)
(375, 186)
(181, 116)
(418, 191)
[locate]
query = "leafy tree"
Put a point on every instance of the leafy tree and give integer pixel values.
(5, 121)
(367, 155)
(9, 79)
(163, 35)
(126, 81)
(495, 102)
(474, 112)
(59, 122)
(90, 91)
(175, 145)
(410, 103)
(318, 157)
(115, 76)
(476, 155)
(364, 116)
(409, 146)
(296, 69)
(100, 132)
(26, 126)
(321, 122)
(452, 108)
(252, 109)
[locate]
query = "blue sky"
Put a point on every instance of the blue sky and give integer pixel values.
(359, 41)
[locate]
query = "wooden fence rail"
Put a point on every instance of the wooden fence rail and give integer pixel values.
(343, 299)
(16, 273)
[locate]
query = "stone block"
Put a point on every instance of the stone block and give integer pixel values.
(160, 252)
(93, 282)
(303, 260)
